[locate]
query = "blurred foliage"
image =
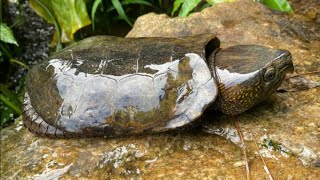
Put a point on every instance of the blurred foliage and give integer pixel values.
(110, 12)
(68, 16)
(10, 92)
(10, 100)
(10, 103)
(279, 5)
(187, 6)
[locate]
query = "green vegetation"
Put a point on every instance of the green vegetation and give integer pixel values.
(188, 5)
(271, 145)
(69, 16)
(6, 34)
(10, 101)
(74, 20)
(280, 5)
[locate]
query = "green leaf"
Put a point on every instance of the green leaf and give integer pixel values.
(69, 15)
(142, 2)
(127, 2)
(6, 34)
(188, 6)
(45, 10)
(206, 5)
(280, 5)
(93, 12)
(120, 11)
(176, 6)
(213, 2)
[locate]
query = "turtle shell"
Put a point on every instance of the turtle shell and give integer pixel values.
(108, 86)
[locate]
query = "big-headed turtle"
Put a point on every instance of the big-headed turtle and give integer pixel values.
(109, 86)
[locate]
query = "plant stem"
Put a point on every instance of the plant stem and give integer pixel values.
(5, 50)
(244, 149)
(265, 167)
(9, 104)
(19, 63)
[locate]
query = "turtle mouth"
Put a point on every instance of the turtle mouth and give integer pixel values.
(286, 65)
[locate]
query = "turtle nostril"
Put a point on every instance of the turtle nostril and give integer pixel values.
(288, 55)
(285, 54)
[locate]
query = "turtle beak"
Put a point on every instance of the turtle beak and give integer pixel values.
(285, 61)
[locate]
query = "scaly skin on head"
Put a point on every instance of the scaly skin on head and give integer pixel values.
(248, 74)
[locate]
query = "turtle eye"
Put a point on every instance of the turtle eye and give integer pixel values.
(269, 75)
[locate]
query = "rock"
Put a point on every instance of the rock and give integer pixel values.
(239, 164)
(192, 153)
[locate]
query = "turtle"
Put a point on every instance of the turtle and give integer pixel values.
(113, 86)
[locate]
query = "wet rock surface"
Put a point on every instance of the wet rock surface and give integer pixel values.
(286, 126)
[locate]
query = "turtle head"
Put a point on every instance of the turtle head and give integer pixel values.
(247, 74)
